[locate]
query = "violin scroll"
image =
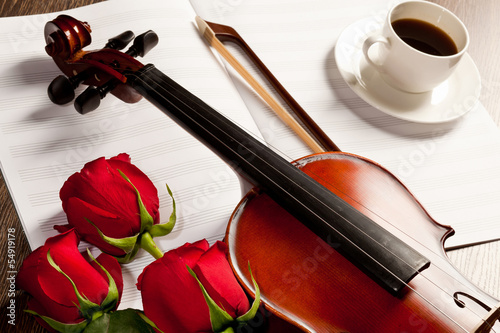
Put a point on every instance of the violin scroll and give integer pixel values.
(65, 36)
(102, 70)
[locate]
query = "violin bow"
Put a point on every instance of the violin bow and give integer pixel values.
(215, 34)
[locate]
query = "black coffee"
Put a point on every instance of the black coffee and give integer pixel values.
(425, 37)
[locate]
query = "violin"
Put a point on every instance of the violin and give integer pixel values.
(335, 242)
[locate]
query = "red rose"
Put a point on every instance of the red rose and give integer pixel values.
(114, 206)
(172, 297)
(53, 297)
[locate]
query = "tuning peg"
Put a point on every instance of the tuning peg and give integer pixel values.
(62, 89)
(90, 99)
(143, 44)
(121, 41)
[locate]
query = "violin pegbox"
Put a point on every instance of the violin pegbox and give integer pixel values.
(102, 70)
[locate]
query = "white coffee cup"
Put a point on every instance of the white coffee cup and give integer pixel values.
(405, 67)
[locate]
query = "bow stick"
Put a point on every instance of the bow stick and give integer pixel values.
(215, 34)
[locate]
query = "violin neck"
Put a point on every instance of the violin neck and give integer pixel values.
(327, 215)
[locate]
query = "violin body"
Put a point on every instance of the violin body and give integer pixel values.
(303, 280)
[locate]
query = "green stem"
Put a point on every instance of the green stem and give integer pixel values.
(97, 315)
(148, 244)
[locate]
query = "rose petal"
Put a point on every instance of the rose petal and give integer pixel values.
(28, 270)
(121, 157)
(113, 267)
(171, 297)
(67, 315)
(149, 193)
(62, 310)
(27, 280)
(102, 187)
(64, 252)
(63, 227)
(110, 225)
(215, 273)
(190, 252)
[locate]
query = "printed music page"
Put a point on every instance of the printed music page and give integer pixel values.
(453, 168)
(42, 144)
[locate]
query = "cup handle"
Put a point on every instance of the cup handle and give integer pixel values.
(368, 43)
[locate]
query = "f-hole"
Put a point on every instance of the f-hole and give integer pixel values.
(461, 303)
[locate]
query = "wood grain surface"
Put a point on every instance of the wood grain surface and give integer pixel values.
(481, 263)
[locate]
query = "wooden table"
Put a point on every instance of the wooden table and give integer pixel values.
(481, 263)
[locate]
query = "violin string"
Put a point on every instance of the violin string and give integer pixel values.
(437, 255)
(291, 180)
(372, 211)
(448, 293)
(319, 177)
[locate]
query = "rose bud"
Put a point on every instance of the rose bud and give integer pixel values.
(68, 292)
(114, 206)
(193, 289)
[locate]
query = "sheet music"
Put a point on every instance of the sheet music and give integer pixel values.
(453, 169)
(42, 144)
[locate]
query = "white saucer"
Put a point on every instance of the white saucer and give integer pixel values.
(449, 101)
